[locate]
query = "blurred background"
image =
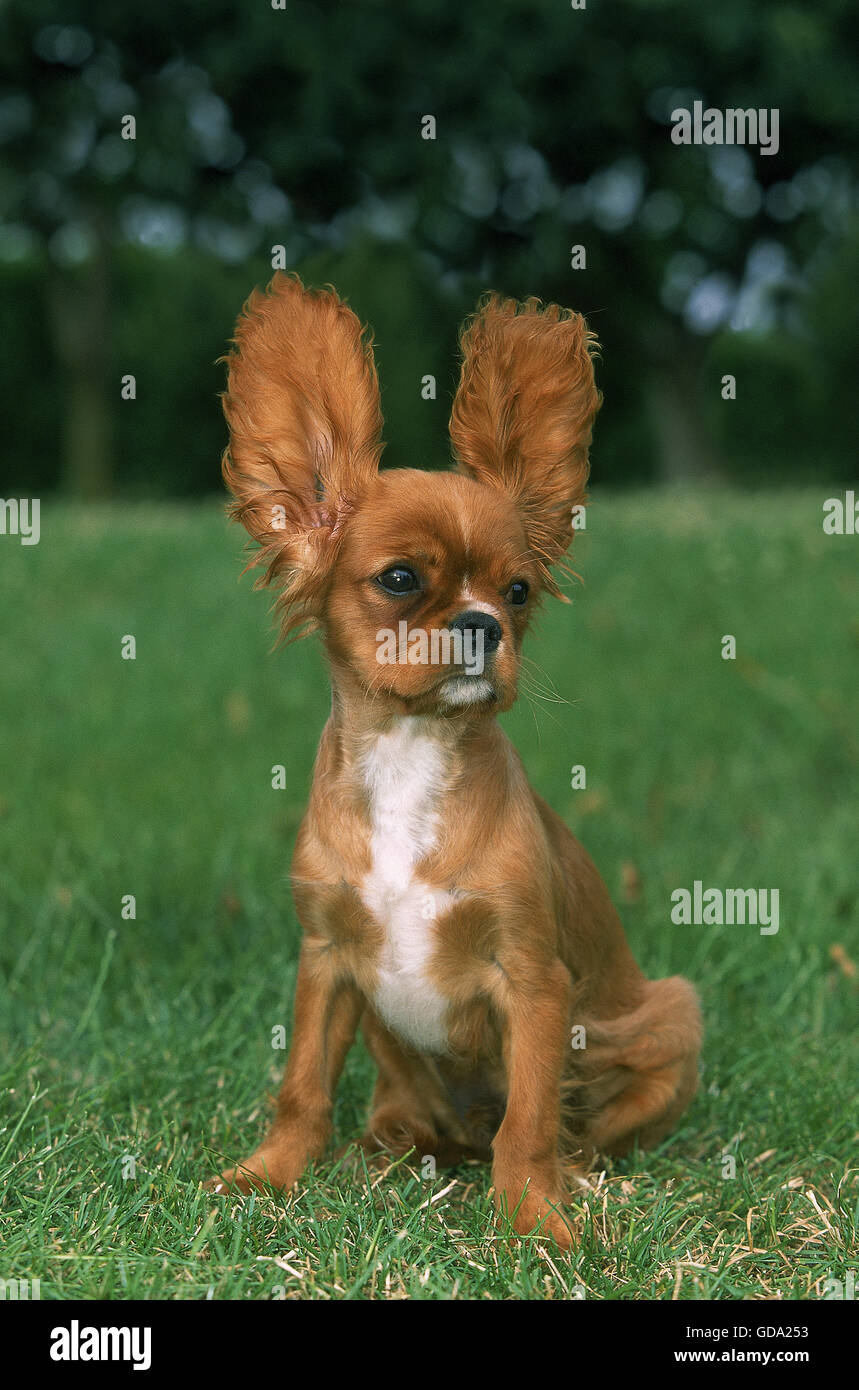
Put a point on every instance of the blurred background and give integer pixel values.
(302, 128)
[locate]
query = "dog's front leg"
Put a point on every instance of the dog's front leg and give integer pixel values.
(327, 1009)
(526, 1171)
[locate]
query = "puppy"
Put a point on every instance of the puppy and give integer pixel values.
(446, 910)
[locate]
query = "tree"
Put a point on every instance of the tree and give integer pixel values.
(305, 127)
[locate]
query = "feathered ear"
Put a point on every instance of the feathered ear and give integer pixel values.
(523, 414)
(302, 405)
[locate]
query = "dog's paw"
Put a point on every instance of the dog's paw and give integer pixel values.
(231, 1182)
(544, 1216)
(262, 1172)
(533, 1207)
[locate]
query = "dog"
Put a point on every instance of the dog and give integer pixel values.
(446, 910)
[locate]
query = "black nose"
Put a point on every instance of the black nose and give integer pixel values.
(475, 621)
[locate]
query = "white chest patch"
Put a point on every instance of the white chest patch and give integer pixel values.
(405, 771)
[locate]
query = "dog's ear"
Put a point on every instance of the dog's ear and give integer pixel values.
(302, 405)
(523, 414)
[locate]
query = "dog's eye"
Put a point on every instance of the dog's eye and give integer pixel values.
(398, 580)
(518, 592)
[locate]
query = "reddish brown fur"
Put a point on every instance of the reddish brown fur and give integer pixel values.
(528, 942)
(524, 364)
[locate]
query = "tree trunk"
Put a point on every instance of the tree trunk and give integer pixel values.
(79, 313)
(686, 449)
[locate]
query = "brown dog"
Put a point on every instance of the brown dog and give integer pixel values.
(446, 909)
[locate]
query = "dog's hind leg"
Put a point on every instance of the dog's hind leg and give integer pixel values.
(409, 1109)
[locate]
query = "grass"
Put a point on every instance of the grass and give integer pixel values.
(136, 1053)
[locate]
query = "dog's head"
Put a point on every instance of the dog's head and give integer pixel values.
(423, 583)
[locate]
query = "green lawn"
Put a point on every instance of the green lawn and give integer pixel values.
(137, 1053)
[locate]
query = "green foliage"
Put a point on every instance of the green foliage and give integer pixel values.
(301, 128)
